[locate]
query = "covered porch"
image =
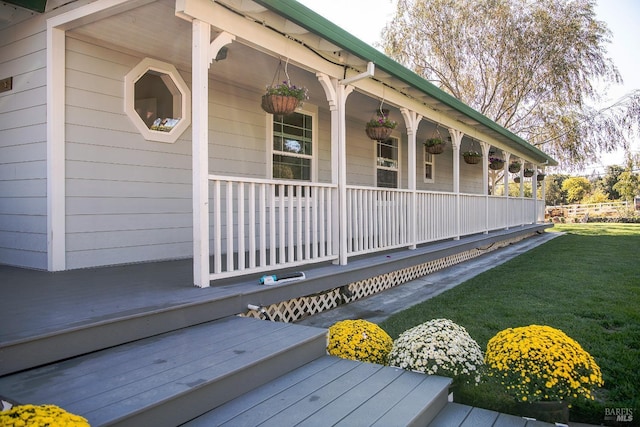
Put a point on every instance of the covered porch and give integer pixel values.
(243, 218)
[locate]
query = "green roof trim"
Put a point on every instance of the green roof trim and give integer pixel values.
(307, 18)
(35, 5)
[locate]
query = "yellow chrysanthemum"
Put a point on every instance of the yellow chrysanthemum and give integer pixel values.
(359, 340)
(43, 415)
(536, 358)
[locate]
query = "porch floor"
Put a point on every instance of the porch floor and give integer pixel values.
(38, 303)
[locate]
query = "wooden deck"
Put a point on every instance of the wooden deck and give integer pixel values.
(138, 345)
(53, 316)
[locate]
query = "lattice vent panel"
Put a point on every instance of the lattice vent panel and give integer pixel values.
(296, 309)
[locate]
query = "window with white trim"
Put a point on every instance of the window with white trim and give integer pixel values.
(387, 163)
(292, 151)
(157, 100)
(429, 166)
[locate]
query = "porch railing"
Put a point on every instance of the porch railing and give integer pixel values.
(259, 225)
(262, 225)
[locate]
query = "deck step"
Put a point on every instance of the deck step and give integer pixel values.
(336, 392)
(171, 378)
(457, 415)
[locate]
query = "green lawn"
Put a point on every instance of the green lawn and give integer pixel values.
(586, 283)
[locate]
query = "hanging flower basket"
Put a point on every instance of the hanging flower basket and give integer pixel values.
(283, 99)
(540, 176)
(496, 163)
(516, 179)
(515, 166)
(434, 145)
(379, 133)
(380, 127)
(471, 157)
(528, 172)
(279, 104)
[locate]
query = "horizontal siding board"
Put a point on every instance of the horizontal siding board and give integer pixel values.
(113, 256)
(24, 99)
(31, 242)
(23, 205)
(124, 156)
(129, 238)
(23, 153)
(113, 188)
(26, 170)
(24, 223)
(122, 139)
(23, 135)
(36, 115)
(81, 170)
(124, 205)
(25, 259)
(23, 188)
(30, 61)
(97, 101)
(124, 222)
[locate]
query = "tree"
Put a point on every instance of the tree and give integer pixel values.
(607, 182)
(554, 195)
(531, 66)
(628, 185)
(576, 187)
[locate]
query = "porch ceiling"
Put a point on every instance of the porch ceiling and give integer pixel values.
(154, 30)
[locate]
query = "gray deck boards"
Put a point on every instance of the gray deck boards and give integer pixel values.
(332, 391)
(458, 415)
(108, 385)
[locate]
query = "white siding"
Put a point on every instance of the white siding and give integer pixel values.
(128, 199)
(23, 203)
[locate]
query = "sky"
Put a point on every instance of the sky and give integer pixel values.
(365, 19)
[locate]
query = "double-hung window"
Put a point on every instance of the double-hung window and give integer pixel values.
(292, 153)
(387, 163)
(429, 166)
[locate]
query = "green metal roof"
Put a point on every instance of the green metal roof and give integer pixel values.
(35, 5)
(317, 24)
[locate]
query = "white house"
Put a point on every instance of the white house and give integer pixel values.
(87, 179)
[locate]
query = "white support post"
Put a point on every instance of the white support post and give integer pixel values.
(201, 35)
(456, 141)
(337, 94)
(505, 172)
(485, 182)
(543, 193)
(534, 193)
(412, 120)
(56, 195)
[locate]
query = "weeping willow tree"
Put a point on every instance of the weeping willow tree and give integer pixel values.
(538, 68)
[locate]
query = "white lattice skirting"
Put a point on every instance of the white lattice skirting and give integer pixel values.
(297, 308)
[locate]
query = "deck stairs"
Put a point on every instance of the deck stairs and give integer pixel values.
(232, 371)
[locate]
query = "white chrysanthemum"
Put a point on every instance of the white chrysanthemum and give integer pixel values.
(438, 346)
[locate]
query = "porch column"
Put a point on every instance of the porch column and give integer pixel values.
(337, 97)
(485, 182)
(543, 193)
(456, 140)
(506, 186)
(201, 35)
(523, 213)
(412, 120)
(534, 193)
